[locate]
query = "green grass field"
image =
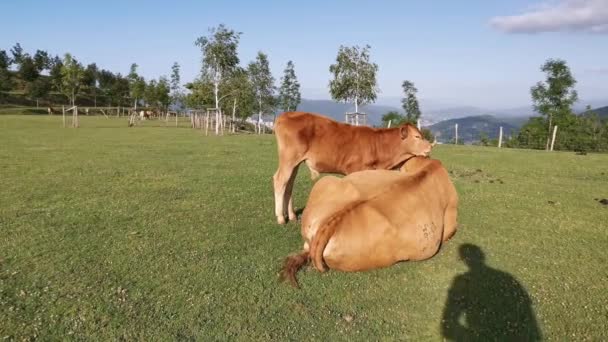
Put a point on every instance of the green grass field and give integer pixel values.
(160, 233)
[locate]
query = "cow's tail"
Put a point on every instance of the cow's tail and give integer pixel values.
(292, 265)
(324, 234)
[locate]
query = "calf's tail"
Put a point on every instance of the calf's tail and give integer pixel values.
(292, 265)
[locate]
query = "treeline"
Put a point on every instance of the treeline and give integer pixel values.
(53, 80)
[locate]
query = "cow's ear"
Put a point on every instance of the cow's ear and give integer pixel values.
(403, 130)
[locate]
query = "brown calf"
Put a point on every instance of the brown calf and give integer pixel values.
(328, 146)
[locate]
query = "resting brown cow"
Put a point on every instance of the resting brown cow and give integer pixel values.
(372, 219)
(333, 147)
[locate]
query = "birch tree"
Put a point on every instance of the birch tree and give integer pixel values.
(410, 102)
(176, 89)
(263, 85)
(240, 95)
(354, 76)
(220, 57)
(137, 85)
(554, 98)
(71, 77)
(289, 92)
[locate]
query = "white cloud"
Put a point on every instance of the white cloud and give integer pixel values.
(565, 15)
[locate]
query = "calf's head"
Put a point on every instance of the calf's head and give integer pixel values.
(413, 142)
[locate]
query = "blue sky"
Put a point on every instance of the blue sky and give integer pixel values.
(456, 52)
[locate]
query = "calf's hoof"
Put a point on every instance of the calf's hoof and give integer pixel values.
(280, 220)
(293, 217)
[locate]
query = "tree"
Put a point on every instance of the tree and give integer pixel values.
(71, 77)
(30, 74)
(106, 80)
(55, 72)
(89, 80)
(484, 139)
(150, 95)
(27, 69)
(554, 98)
(410, 102)
(427, 134)
(241, 95)
(17, 52)
(5, 83)
(137, 85)
(5, 60)
(263, 85)
(220, 57)
(176, 89)
(38, 89)
(163, 96)
(289, 92)
(119, 91)
(393, 117)
(5, 76)
(201, 93)
(354, 76)
(42, 60)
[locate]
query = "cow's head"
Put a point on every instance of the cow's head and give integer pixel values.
(413, 142)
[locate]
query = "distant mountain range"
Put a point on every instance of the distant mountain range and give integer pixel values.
(602, 112)
(470, 128)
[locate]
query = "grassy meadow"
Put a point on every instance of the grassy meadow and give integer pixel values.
(160, 233)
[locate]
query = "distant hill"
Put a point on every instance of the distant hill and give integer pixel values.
(471, 127)
(602, 112)
(336, 110)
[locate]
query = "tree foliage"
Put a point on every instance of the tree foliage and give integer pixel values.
(38, 89)
(554, 97)
(240, 94)
(17, 52)
(71, 77)
(176, 87)
(394, 117)
(220, 57)
(354, 76)
(289, 92)
(42, 60)
(137, 85)
(410, 102)
(5, 60)
(27, 69)
(263, 84)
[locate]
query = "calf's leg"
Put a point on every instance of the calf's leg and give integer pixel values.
(289, 195)
(280, 180)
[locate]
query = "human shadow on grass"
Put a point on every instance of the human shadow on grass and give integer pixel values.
(486, 304)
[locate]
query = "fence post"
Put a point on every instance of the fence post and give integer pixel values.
(389, 123)
(553, 138)
(456, 134)
(63, 109)
(418, 124)
(500, 138)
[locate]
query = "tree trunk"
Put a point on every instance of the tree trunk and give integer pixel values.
(232, 128)
(260, 117)
(216, 86)
(549, 133)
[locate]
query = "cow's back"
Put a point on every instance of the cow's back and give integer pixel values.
(327, 145)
